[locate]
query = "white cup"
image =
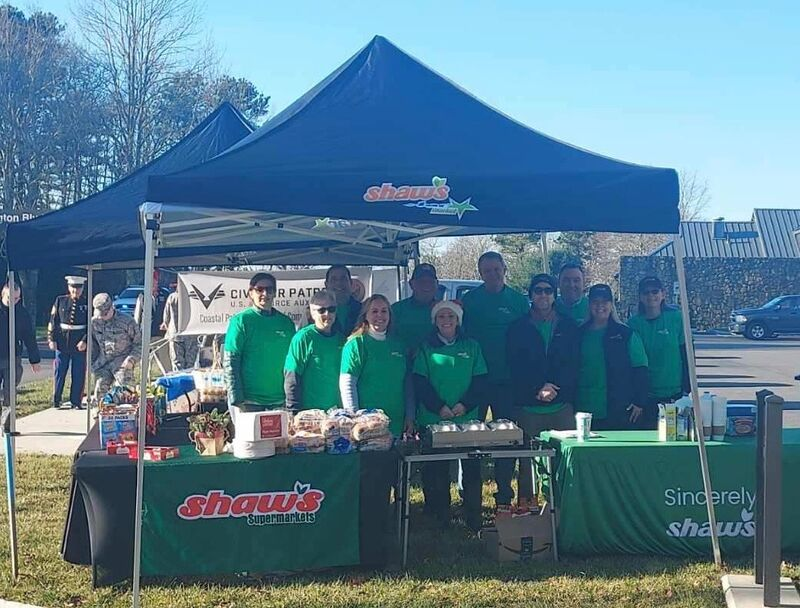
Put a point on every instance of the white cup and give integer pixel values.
(583, 424)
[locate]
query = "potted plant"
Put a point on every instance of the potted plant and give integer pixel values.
(209, 432)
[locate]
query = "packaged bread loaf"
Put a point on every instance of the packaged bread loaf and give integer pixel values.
(369, 424)
(380, 443)
(308, 420)
(307, 442)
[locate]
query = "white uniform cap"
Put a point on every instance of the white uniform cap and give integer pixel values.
(75, 280)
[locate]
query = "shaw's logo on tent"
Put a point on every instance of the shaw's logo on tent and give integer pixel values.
(297, 506)
(436, 197)
(688, 528)
(206, 300)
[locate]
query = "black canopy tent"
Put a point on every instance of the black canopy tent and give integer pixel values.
(364, 159)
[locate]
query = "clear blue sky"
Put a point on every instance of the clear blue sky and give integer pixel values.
(711, 87)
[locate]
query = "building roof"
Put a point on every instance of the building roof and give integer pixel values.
(770, 233)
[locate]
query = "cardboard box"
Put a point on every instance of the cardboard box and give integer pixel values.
(520, 537)
(741, 420)
(118, 424)
(668, 423)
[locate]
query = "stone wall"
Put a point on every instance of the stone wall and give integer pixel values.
(716, 285)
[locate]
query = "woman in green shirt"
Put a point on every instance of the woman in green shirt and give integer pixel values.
(449, 382)
(311, 371)
(256, 344)
(661, 329)
(373, 369)
(612, 382)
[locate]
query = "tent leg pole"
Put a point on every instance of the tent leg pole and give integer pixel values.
(11, 390)
(677, 244)
(88, 381)
(545, 255)
(151, 226)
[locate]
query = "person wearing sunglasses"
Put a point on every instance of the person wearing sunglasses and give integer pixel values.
(256, 345)
(660, 327)
(311, 371)
(542, 353)
(612, 382)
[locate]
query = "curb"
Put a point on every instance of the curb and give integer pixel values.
(7, 604)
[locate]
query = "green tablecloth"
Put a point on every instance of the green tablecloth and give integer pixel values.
(213, 515)
(626, 492)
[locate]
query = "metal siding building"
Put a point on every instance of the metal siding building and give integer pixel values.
(772, 233)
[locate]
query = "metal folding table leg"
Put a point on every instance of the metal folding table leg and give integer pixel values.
(406, 505)
(399, 501)
(552, 505)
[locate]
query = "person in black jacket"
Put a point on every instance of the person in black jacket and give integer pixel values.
(543, 360)
(25, 334)
(612, 383)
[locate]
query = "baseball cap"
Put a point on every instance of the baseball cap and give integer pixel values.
(424, 270)
(542, 278)
(102, 302)
(601, 291)
(650, 282)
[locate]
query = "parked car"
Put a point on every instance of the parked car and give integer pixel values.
(454, 289)
(126, 300)
(779, 316)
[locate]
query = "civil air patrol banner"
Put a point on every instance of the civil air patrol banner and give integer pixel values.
(207, 300)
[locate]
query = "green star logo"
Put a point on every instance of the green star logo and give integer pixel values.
(323, 223)
(461, 208)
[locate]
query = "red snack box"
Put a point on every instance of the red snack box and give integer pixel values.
(154, 453)
(117, 447)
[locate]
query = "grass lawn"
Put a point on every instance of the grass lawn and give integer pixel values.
(35, 396)
(447, 569)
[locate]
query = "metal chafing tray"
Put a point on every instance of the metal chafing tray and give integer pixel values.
(474, 434)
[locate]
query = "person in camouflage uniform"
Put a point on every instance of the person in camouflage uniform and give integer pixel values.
(116, 345)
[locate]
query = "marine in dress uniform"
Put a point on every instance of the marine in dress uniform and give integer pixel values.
(66, 335)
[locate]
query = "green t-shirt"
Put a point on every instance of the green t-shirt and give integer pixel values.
(450, 370)
(486, 319)
(411, 322)
(578, 312)
(592, 389)
(380, 366)
(663, 341)
(262, 341)
(316, 359)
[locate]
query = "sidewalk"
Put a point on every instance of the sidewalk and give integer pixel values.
(52, 431)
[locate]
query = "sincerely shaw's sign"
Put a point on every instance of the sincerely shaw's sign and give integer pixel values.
(739, 502)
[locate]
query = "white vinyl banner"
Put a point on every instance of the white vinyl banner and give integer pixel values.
(207, 300)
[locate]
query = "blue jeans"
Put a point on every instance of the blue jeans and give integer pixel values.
(63, 362)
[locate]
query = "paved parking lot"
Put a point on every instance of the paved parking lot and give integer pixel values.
(736, 368)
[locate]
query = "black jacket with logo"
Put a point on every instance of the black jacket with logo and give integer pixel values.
(531, 365)
(625, 384)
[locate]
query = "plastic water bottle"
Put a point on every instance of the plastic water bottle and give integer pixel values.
(707, 410)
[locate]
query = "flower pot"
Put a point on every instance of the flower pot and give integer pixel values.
(208, 444)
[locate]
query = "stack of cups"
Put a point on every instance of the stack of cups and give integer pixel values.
(583, 424)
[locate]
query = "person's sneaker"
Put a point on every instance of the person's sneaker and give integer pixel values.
(56, 406)
(797, 377)
(503, 510)
(79, 406)
(66, 404)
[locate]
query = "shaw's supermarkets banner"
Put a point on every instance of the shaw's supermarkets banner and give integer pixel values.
(207, 300)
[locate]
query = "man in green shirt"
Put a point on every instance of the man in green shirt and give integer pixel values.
(572, 302)
(339, 281)
(411, 317)
(311, 371)
(256, 344)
